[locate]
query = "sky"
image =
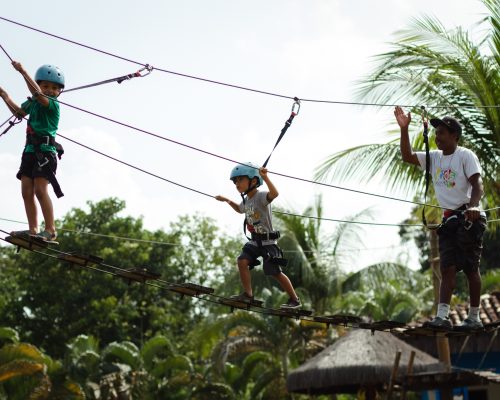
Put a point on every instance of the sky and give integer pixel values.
(310, 49)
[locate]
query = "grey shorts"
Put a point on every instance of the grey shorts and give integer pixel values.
(461, 247)
(251, 253)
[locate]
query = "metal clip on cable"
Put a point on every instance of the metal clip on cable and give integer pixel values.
(296, 106)
(425, 121)
(148, 68)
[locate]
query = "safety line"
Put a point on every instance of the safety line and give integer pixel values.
(135, 167)
(237, 162)
(212, 196)
(203, 297)
(209, 297)
(345, 221)
(228, 159)
(146, 241)
(224, 158)
(466, 106)
(158, 136)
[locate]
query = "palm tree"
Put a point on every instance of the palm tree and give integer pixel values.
(387, 291)
(27, 373)
(253, 353)
(315, 259)
(122, 370)
(431, 65)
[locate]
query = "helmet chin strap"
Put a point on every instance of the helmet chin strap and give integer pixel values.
(245, 193)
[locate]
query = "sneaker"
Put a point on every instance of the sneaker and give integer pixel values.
(21, 233)
(439, 322)
(471, 324)
(45, 236)
(244, 297)
(292, 304)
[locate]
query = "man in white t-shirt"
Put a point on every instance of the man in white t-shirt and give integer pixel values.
(456, 175)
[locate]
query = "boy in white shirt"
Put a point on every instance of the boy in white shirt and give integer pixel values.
(456, 175)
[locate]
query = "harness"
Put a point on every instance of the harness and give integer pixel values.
(43, 162)
(260, 237)
(425, 123)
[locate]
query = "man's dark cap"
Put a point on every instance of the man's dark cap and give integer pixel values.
(451, 123)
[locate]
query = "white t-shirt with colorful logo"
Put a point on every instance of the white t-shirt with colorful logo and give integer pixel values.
(450, 175)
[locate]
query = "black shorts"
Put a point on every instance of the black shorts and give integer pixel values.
(251, 253)
(30, 166)
(461, 247)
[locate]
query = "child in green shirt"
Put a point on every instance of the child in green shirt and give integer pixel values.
(39, 161)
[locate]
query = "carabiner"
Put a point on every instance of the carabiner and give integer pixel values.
(425, 121)
(148, 68)
(296, 105)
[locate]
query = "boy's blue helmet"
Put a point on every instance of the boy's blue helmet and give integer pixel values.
(50, 73)
(248, 169)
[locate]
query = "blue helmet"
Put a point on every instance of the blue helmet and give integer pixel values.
(49, 73)
(248, 169)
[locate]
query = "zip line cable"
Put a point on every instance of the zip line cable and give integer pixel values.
(135, 167)
(217, 156)
(167, 71)
(157, 242)
(126, 125)
(209, 195)
(158, 136)
(296, 102)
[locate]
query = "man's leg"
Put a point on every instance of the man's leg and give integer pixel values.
(474, 280)
(42, 194)
(447, 285)
(28, 192)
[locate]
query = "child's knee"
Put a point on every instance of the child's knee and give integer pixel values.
(40, 188)
(28, 193)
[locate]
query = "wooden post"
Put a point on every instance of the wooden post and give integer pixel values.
(442, 343)
(393, 375)
(409, 372)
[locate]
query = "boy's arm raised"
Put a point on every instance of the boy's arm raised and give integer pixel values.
(406, 151)
(32, 85)
(273, 192)
(234, 206)
(13, 107)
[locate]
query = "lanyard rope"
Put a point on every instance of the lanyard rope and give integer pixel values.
(295, 111)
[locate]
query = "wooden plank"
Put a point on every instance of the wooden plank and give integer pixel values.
(426, 331)
(190, 289)
(138, 275)
(293, 313)
(382, 325)
(80, 259)
(27, 243)
(240, 304)
(337, 319)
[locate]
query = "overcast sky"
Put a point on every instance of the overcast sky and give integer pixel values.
(309, 49)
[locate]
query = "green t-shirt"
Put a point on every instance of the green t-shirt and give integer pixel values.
(43, 120)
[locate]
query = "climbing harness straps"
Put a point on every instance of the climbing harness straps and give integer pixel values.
(139, 74)
(425, 123)
(43, 161)
(295, 111)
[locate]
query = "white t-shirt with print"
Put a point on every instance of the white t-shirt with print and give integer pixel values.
(450, 175)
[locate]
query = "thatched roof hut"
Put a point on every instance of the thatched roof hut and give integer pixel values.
(358, 360)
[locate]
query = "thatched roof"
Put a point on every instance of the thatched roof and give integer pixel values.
(358, 359)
